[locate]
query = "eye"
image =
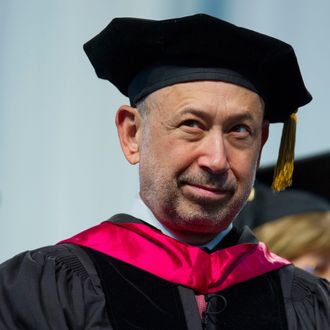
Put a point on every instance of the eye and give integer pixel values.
(192, 124)
(241, 129)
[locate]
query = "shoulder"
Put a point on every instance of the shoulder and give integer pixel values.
(50, 263)
(298, 283)
(70, 257)
(63, 257)
(40, 285)
(307, 299)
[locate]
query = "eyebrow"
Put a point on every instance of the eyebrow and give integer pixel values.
(200, 113)
(194, 111)
(243, 116)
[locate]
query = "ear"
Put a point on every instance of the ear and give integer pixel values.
(129, 126)
(264, 137)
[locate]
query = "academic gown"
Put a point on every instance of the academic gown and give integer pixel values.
(71, 287)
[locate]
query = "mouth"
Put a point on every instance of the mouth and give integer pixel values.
(205, 192)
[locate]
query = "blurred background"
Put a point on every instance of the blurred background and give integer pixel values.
(61, 168)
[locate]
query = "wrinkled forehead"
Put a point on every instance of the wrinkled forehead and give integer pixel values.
(205, 96)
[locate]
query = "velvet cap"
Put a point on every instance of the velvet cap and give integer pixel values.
(140, 56)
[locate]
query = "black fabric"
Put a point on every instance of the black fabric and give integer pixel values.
(307, 299)
(236, 236)
(159, 76)
(129, 46)
(53, 287)
(255, 304)
(190, 308)
(123, 218)
(137, 299)
(155, 303)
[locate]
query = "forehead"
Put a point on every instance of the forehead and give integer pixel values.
(207, 95)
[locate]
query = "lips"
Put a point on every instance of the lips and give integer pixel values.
(207, 188)
(205, 192)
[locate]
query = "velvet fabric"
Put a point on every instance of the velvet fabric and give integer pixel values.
(129, 47)
(136, 299)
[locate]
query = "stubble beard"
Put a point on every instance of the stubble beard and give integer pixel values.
(177, 212)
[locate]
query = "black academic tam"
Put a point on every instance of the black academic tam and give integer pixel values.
(140, 56)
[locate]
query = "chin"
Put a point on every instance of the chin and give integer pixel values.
(209, 214)
(196, 222)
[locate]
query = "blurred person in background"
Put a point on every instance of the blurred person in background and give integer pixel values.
(295, 224)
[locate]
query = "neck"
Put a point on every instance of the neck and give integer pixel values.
(200, 239)
(196, 239)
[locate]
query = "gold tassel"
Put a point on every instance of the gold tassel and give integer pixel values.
(285, 161)
(252, 195)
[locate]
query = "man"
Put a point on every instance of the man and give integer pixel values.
(202, 92)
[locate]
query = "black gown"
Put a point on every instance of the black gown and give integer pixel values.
(70, 287)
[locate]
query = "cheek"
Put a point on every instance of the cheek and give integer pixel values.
(243, 164)
(179, 153)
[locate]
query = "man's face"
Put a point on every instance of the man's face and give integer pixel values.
(198, 154)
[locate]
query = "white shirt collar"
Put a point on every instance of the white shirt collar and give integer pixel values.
(140, 210)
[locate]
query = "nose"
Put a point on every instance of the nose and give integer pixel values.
(213, 154)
